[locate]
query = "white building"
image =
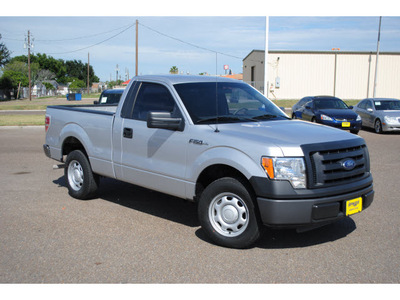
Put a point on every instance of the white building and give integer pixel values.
(344, 74)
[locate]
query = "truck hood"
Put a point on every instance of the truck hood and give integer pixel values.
(282, 137)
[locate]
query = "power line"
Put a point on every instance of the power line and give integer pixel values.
(190, 44)
(96, 43)
(87, 36)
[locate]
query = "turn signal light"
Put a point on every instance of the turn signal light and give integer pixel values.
(268, 165)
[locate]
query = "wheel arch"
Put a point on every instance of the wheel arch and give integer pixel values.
(74, 137)
(218, 171)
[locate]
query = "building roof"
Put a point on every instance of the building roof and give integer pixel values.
(321, 52)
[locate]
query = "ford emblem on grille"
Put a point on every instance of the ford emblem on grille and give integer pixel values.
(348, 164)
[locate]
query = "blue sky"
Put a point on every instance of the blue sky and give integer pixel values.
(188, 42)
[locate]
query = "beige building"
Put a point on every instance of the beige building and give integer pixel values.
(344, 74)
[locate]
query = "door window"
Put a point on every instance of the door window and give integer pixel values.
(153, 97)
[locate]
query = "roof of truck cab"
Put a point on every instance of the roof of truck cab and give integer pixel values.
(176, 79)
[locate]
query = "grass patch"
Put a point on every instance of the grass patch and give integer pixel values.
(23, 107)
(21, 120)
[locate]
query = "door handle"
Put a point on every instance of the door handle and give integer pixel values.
(128, 133)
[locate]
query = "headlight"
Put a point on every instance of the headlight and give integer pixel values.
(326, 118)
(391, 120)
(286, 168)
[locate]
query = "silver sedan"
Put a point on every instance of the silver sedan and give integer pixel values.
(381, 114)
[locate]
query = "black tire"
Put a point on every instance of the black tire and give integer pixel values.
(227, 214)
(294, 116)
(81, 182)
(354, 131)
(378, 126)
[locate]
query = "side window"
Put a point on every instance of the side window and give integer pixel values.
(126, 111)
(362, 104)
(368, 105)
(303, 101)
(152, 97)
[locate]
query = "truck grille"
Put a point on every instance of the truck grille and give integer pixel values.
(331, 164)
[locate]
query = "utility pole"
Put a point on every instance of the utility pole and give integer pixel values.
(137, 54)
(29, 64)
(88, 63)
(116, 75)
(266, 83)
(377, 56)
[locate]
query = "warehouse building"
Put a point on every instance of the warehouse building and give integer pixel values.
(344, 74)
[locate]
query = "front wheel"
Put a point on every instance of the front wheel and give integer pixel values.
(227, 214)
(378, 126)
(81, 182)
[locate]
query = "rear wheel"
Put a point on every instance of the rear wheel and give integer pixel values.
(227, 214)
(81, 182)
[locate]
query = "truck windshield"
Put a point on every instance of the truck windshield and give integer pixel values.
(225, 102)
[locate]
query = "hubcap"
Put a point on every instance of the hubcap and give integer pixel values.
(378, 126)
(75, 175)
(228, 214)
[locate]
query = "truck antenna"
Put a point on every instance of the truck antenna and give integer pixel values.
(216, 91)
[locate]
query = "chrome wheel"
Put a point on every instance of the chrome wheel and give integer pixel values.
(378, 126)
(75, 175)
(228, 214)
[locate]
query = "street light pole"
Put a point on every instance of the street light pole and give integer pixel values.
(29, 66)
(377, 56)
(137, 48)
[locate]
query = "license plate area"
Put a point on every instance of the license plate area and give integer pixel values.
(353, 206)
(345, 124)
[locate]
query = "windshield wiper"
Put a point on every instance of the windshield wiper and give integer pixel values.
(264, 117)
(225, 119)
(268, 117)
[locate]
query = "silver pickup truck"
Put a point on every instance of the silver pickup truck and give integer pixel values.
(217, 142)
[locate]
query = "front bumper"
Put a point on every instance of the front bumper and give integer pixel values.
(390, 127)
(309, 212)
(346, 125)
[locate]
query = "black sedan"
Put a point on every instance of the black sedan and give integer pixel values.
(329, 111)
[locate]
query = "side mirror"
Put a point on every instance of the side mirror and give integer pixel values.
(351, 107)
(164, 120)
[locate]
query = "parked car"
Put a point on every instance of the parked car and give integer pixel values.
(110, 97)
(382, 114)
(327, 110)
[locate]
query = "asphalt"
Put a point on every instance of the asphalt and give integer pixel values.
(133, 235)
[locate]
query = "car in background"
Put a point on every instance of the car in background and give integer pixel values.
(381, 114)
(327, 110)
(111, 97)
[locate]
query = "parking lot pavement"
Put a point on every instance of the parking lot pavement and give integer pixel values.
(133, 235)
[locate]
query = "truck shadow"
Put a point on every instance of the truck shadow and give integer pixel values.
(145, 200)
(185, 213)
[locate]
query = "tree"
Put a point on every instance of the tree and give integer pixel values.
(4, 54)
(63, 70)
(174, 70)
(77, 84)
